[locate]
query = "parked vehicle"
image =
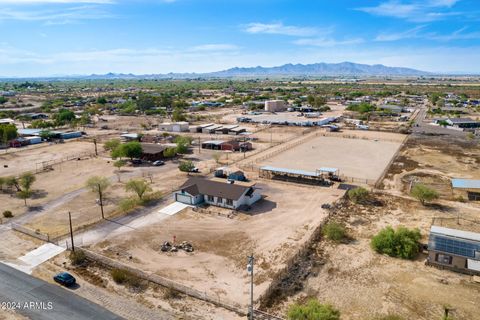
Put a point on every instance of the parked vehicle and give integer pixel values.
(65, 278)
(158, 163)
(137, 161)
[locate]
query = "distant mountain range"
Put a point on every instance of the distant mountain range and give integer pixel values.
(348, 69)
(321, 69)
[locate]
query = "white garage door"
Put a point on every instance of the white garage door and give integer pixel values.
(183, 198)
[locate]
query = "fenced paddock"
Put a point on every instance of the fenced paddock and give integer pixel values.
(358, 159)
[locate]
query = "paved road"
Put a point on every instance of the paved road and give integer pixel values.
(422, 126)
(20, 288)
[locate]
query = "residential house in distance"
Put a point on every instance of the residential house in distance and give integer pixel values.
(229, 195)
(454, 249)
(463, 123)
(153, 151)
(395, 109)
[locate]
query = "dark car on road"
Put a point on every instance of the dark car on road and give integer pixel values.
(65, 278)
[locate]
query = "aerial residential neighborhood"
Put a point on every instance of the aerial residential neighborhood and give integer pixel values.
(211, 160)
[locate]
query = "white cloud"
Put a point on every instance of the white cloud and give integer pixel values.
(54, 16)
(456, 35)
(281, 29)
(14, 62)
(418, 11)
(394, 36)
(215, 47)
(327, 42)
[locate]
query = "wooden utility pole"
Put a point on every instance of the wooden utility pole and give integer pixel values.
(71, 230)
(250, 271)
(100, 193)
(95, 143)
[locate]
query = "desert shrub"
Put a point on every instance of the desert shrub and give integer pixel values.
(125, 277)
(334, 231)
(423, 193)
(400, 243)
(128, 204)
(312, 310)
(120, 276)
(77, 258)
(171, 294)
(7, 214)
(358, 195)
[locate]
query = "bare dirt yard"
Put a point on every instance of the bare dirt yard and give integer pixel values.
(364, 285)
(273, 231)
(17, 161)
(361, 155)
(433, 160)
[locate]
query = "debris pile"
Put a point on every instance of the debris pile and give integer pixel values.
(185, 246)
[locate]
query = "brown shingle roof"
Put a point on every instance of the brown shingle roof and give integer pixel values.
(196, 186)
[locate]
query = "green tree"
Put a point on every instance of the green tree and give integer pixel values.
(358, 195)
(170, 152)
(101, 100)
(146, 102)
(119, 164)
(111, 145)
(178, 115)
(8, 132)
(423, 193)
(64, 116)
(24, 194)
(99, 185)
(3, 100)
(182, 144)
(138, 186)
(186, 166)
(312, 310)
(131, 150)
(400, 243)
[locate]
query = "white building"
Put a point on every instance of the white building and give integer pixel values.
(174, 127)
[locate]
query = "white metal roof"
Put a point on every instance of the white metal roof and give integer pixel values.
(467, 235)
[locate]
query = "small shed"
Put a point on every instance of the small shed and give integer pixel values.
(466, 188)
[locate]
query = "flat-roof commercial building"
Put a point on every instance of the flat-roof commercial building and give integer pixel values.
(230, 195)
(454, 249)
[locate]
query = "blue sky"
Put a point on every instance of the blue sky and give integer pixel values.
(58, 37)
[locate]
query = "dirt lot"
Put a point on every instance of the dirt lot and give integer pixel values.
(272, 231)
(364, 156)
(434, 161)
(82, 204)
(386, 285)
(31, 158)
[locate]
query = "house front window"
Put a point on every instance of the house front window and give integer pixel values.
(219, 200)
(210, 198)
(444, 258)
(229, 202)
